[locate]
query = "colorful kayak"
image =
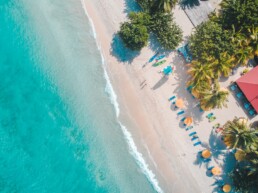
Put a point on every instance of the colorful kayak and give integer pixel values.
(161, 57)
(159, 63)
(153, 57)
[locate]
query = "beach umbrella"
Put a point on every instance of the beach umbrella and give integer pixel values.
(188, 121)
(216, 171)
(226, 188)
(240, 155)
(180, 103)
(206, 153)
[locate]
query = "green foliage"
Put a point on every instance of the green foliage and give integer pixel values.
(239, 13)
(243, 181)
(211, 39)
(140, 18)
(167, 31)
(161, 24)
(155, 6)
(163, 5)
(238, 134)
(146, 5)
(213, 98)
(134, 36)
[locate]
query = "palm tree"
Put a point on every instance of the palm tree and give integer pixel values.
(244, 50)
(200, 72)
(237, 134)
(243, 54)
(224, 65)
(214, 98)
(165, 5)
(253, 35)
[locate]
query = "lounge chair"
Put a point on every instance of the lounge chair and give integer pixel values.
(210, 168)
(193, 133)
(247, 106)
(233, 87)
(183, 119)
(188, 128)
(239, 95)
(251, 112)
(189, 88)
(181, 112)
(194, 138)
(209, 115)
(171, 98)
(198, 143)
(212, 119)
(206, 160)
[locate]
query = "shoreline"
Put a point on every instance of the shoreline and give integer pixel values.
(164, 148)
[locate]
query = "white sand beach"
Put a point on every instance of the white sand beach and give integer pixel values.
(146, 111)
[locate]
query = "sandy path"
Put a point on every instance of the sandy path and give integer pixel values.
(146, 111)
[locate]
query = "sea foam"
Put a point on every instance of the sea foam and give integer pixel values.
(127, 135)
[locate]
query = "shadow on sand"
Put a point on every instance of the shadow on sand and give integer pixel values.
(131, 5)
(122, 53)
(160, 82)
(188, 4)
(191, 104)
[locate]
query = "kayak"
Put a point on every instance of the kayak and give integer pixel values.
(161, 57)
(153, 57)
(159, 63)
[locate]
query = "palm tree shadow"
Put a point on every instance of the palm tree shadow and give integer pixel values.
(189, 4)
(160, 82)
(119, 50)
(131, 5)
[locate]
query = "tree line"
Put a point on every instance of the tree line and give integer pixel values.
(156, 18)
(228, 39)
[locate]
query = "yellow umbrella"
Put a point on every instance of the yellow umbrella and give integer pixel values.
(188, 121)
(206, 153)
(240, 155)
(180, 103)
(216, 171)
(226, 188)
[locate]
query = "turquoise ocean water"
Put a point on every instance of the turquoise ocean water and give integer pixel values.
(59, 130)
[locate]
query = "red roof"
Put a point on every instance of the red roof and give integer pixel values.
(249, 86)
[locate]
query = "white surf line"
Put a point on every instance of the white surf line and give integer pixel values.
(128, 136)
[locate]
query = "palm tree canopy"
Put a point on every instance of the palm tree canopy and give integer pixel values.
(239, 135)
(215, 98)
(165, 5)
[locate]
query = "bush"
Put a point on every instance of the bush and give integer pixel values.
(240, 13)
(167, 31)
(141, 18)
(146, 5)
(134, 36)
(211, 39)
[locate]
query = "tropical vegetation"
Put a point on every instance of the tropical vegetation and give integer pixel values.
(228, 39)
(239, 135)
(155, 18)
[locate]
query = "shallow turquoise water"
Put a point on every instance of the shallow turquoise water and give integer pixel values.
(58, 129)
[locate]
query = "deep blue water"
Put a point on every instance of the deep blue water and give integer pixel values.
(58, 130)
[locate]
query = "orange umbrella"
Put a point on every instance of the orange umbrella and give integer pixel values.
(188, 121)
(226, 188)
(216, 171)
(206, 153)
(180, 103)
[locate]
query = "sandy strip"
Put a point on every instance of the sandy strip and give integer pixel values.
(147, 113)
